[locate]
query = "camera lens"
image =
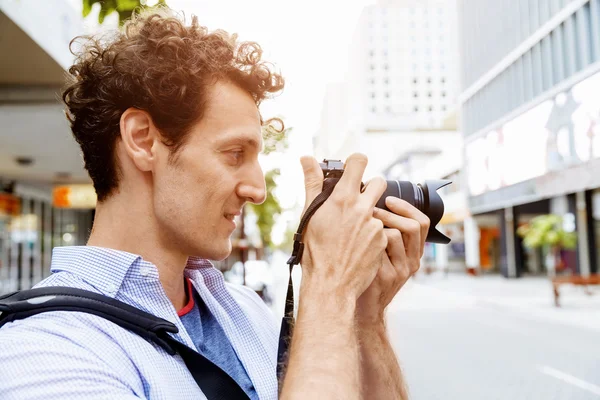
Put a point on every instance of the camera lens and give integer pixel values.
(425, 198)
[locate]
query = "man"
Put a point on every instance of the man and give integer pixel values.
(168, 122)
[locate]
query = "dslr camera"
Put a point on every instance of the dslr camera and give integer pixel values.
(423, 196)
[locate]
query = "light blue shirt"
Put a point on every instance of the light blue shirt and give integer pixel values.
(207, 335)
(72, 355)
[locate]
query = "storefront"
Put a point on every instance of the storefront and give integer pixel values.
(31, 224)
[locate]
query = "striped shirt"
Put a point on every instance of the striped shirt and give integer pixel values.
(73, 355)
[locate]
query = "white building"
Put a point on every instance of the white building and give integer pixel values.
(404, 64)
(398, 106)
(400, 86)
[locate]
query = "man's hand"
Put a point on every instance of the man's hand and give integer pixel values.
(343, 247)
(380, 374)
(343, 242)
(406, 233)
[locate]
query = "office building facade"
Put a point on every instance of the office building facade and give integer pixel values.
(530, 116)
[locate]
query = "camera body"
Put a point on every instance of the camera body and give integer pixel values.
(423, 196)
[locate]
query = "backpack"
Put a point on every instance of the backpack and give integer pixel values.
(213, 381)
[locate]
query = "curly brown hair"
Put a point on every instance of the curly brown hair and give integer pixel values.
(158, 64)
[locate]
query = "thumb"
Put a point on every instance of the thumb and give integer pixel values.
(313, 178)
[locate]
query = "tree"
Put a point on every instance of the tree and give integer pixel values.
(267, 212)
(123, 7)
(547, 232)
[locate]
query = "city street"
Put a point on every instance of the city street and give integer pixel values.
(455, 346)
(489, 338)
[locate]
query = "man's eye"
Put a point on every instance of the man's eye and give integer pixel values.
(237, 154)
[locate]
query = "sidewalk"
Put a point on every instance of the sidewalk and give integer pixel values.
(530, 296)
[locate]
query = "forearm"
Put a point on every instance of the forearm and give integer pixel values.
(380, 374)
(324, 354)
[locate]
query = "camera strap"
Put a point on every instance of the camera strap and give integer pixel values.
(287, 322)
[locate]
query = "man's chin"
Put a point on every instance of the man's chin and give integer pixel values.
(219, 254)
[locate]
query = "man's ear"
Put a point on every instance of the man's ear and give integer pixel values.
(139, 136)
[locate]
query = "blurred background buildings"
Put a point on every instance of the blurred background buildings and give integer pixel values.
(529, 111)
(499, 99)
(37, 151)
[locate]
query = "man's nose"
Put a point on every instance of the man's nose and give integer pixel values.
(254, 188)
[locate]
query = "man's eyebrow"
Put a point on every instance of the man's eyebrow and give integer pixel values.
(242, 140)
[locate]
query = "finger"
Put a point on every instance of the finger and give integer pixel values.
(374, 189)
(395, 248)
(405, 209)
(351, 180)
(410, 229)
(313, 178)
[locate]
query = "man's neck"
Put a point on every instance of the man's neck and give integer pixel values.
(119, 226)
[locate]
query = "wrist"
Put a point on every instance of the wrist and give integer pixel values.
(372, 335)
(368, 319)
(321, 299)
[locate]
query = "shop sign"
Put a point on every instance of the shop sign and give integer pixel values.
(74, 196)
(9, 204)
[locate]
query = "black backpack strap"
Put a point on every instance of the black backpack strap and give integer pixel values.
(214, 382)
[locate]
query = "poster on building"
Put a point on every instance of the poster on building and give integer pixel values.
(553, 135)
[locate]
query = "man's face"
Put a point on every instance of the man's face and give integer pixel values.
(215, 172)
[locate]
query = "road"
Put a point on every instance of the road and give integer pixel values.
(453, 347)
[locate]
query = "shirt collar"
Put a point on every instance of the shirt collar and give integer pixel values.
(198, 263)
(101, 267)
(105, 268)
